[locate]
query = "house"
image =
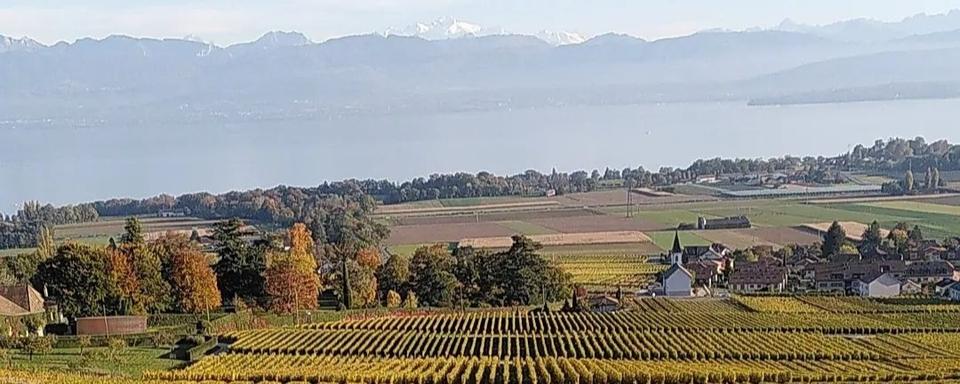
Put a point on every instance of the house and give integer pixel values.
(941, 287)
(677, 280)
(929, 272)
(604, 303)
(878, 285)
(20, 300)
(705, 273)
(910, 288)
(953, 293)
(839, 276)
(760, 276)
(715, 251)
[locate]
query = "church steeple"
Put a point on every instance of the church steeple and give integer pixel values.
(676, 254)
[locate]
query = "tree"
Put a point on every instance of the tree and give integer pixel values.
(76, 277)
(45, 244)
(292, 282)
(363, 285)
(193, 281)
(833, 240)
(394, 274)
(240, 268)
(393, 299)
(411, 301)
(928, 180)
(908, 181)
(915, 234)
(520, 276)
(872, 236)
(431, 275)
(935, 180)
(36, 345)
(132, 232)
(147, 265)
(124, 285)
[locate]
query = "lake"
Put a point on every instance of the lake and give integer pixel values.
(74, 164)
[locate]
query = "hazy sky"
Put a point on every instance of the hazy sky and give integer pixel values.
(229, 21)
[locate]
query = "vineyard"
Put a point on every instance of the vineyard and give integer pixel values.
(656, 340)
(613, 267)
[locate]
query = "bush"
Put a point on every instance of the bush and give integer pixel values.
(393, 299)
(411, 301)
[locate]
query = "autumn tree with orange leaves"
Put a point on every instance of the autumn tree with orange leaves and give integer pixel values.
(194, 283)
(292, 280)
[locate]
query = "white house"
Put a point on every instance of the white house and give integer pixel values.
(677, 281)
(882, 285)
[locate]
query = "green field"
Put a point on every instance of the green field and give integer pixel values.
(131, 362)
(664, 239)
(917, 206)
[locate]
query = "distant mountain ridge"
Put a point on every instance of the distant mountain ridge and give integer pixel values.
(285, 75)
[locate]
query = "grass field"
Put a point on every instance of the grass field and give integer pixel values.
(131, 362)
(14, 251)
(100, 231)
(918, 206)
(664, 239)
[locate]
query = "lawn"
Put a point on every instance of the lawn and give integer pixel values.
(475, 201)
(671, 218)
(131, 362)
(664, 239)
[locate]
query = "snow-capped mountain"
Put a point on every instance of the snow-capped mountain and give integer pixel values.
(9, 44)
(557, 38)
(443, 28)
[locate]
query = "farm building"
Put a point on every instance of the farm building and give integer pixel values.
(941, 287)
(761, 276)
(734, 222)
(878, 285)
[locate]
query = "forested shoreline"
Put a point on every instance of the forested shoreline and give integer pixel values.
(284, 205)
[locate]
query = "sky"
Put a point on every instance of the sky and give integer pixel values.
(230, 21)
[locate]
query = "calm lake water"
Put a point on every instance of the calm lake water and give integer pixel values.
(66, 165)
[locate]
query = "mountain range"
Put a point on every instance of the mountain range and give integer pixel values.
(451, 65)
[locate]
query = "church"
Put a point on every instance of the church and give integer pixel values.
(677, 280)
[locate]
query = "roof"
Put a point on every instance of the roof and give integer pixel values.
(883, 279)
(758, 273)
(703, 269)
(675, 269)
(20, 300)
(945, 283)
(604, 300)
(677, 248)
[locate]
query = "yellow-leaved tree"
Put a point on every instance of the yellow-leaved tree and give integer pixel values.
(292, 276)
(194, 283)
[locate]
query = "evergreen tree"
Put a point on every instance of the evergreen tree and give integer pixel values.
(872, 236)
(915, 234)
(833, 240)
(240, 268)
(132, 232)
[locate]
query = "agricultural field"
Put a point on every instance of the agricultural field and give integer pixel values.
(100, 232)
(659, 340)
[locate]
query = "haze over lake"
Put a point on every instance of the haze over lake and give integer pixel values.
(69, 164)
